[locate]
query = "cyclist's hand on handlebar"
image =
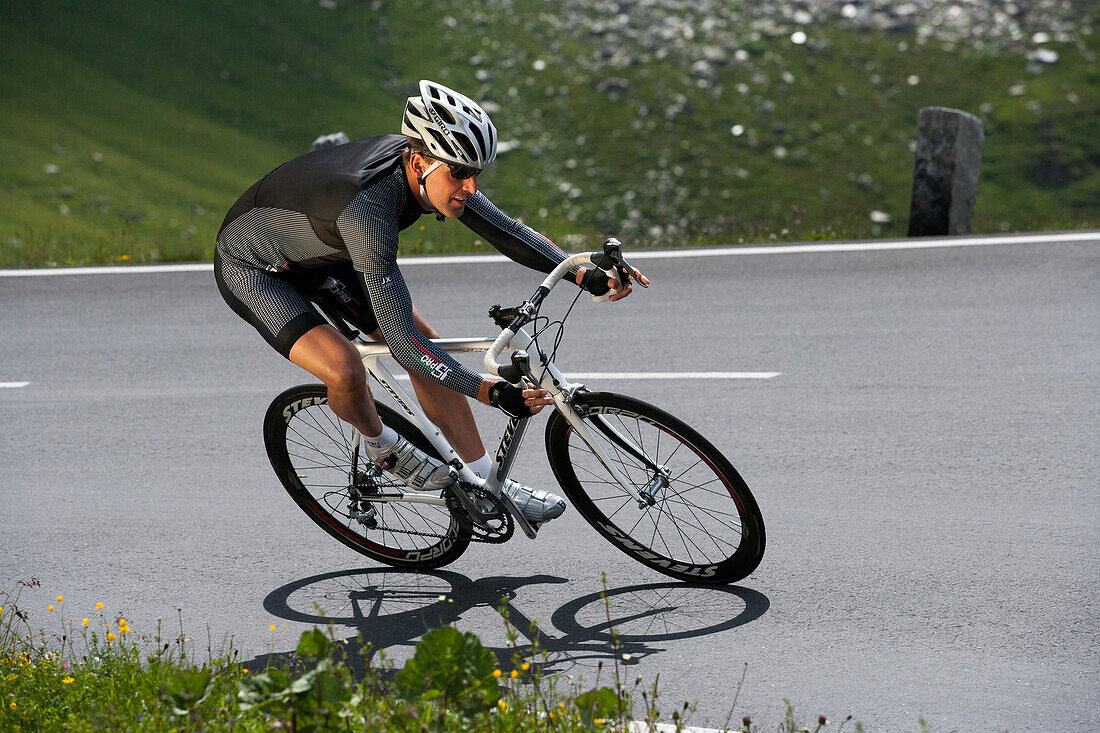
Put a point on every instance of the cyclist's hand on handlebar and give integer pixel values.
(596, 282)
(515, 402)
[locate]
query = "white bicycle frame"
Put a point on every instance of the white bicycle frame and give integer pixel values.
(542, 372)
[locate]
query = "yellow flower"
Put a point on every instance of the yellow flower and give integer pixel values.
(122, 622)
(124, 257)
(13, 706)
(67, 681)
(271, 628)
(525, 666)
(110, 636)
(244, 670)
(515, 674)
(496, 673)
(98, 606)
(51, 609)
(123, 629)
(503, 705)
(84, 622)
(60, 599)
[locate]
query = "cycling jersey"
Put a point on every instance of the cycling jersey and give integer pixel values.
(339, 205)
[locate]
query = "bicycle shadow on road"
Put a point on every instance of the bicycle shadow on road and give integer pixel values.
(388, 609)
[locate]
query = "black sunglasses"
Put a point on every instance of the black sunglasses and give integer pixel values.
(462, 172)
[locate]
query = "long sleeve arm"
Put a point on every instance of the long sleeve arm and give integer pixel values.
(370, 232)
(516, 241)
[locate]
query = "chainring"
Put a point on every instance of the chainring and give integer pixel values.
(501, 525)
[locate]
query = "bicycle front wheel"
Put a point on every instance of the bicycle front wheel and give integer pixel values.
(699, 522)
(311, 452)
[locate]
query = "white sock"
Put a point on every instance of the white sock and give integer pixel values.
(380, 445)
(481, 466)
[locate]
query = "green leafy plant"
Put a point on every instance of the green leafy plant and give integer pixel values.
(310, 702)
(596, 706)
(186, 690)
(453, 669)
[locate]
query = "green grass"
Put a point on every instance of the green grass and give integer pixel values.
(99, 674)
(155, 116)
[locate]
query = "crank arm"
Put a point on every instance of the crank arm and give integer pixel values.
(528, 529)
(478, 517)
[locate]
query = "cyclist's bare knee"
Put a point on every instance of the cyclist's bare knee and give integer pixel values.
(326, 354)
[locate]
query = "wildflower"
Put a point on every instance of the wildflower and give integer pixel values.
(124, 257)
(525, 666)
(822, 720)
(60, 599)
(503, 705)
(497, 673)
(67, 681)
(51, 609)
(626, 657)
(84, 622)
(514, 674)
(111, 636)
(98, 606)
(13, 706)
(244, 670)
(271, 628)
(122, 622)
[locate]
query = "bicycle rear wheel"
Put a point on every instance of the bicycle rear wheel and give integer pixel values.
(311, 452)
(700, 524)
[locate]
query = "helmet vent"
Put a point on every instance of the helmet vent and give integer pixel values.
(445, 113)
(467, 146)
(480, 143)
(441, 143)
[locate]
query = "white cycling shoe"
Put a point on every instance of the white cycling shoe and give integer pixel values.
(537, 506)
(414, 468)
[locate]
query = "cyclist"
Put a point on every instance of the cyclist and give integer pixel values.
(330, 219)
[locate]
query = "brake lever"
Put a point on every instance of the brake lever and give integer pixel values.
(613, 261)
(613, 251)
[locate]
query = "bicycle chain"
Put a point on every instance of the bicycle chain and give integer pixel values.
(477, 534)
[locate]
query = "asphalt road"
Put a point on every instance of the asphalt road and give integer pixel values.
(926, 463)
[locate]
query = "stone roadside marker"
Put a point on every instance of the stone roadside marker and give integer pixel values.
(945, 172)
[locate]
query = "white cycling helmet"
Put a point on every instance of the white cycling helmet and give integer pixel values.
(453, 127)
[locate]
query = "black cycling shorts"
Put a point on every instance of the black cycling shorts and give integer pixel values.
(278, 304)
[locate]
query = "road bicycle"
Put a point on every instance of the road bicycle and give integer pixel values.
(646, 481)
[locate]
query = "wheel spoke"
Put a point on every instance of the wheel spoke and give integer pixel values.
(316, 449)
(695, 520)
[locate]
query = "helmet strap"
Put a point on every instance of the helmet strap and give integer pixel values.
(424, 192)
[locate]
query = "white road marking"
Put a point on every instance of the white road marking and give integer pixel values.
(633, 254)
(640, 726)
(674, 375)
(655, 375)
(13, 385)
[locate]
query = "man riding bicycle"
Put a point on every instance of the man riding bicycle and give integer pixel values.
(330, 219)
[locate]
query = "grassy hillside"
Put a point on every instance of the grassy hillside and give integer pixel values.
(127, 129)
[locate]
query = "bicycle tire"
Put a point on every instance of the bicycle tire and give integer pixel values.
(696, 529)
(310, 450)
